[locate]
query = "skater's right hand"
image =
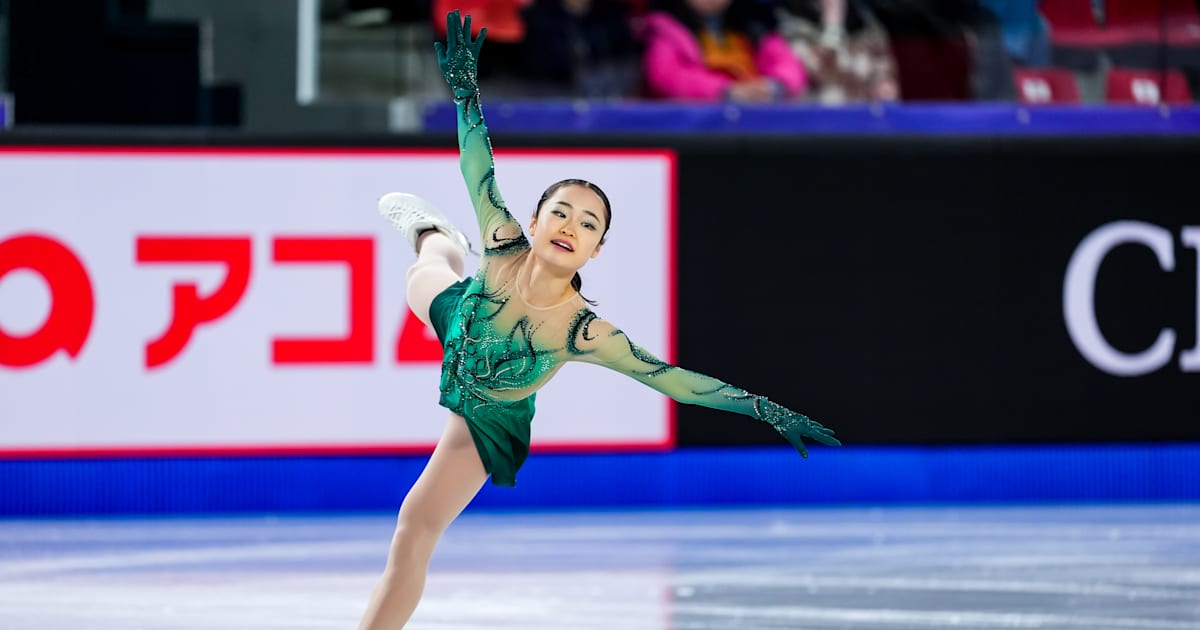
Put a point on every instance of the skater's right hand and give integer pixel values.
(459, 58)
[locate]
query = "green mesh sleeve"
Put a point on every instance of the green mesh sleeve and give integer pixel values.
(501, 233)
(598, 342)
(458, 60)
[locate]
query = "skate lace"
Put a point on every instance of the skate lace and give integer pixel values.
(404, 216)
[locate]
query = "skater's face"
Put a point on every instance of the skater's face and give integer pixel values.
(568, 228)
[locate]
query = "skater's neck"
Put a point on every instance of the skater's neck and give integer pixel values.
(542, 286)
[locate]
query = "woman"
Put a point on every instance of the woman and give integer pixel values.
(844, 48)
(506, 332)
(711, 50)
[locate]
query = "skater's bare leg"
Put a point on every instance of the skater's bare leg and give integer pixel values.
(450, 480)
(439, 265)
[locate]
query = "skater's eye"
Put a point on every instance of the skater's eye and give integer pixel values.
(589, 226)
(559, 213)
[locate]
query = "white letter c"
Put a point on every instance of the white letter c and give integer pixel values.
(1079, 298)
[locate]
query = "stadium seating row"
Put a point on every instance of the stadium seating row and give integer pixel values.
(1116, 23)
(1123, 86)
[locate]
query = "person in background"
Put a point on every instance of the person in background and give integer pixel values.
(712, 50)
(946, 50)
(581, 49)
(1026, 33)
(844, 48)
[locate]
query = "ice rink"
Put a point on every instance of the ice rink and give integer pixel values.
(1093, 567)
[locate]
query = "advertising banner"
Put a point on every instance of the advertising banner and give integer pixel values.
(195, 300)
(947, 291)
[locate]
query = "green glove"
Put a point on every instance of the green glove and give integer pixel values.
(795, 426)
(459, 58)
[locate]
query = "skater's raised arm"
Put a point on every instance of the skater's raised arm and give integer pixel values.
(458, 60)
(597, 341)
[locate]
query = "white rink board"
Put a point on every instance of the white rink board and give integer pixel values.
(223, 390)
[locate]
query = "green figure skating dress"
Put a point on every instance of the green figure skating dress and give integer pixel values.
(499, 349)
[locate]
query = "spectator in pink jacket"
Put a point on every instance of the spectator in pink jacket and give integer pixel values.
(710, 50)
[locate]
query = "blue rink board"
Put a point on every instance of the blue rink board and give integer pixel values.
(6, 111)
(664, 117)
(685, 477)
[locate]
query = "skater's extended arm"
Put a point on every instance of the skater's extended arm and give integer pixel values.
(597, 341)
(458, 60)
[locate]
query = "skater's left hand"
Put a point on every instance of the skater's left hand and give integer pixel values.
(459, 57)
(795, 426)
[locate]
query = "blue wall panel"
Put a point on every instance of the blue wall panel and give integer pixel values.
(529, 116)
(726, 476)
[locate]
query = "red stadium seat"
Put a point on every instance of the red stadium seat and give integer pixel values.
(1076, 24)
(1114, 23)
(1147, 87)
(1133, 11)
(1176, 21)
(1043, 86)
(1068, 14)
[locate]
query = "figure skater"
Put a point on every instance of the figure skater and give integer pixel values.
(506, 332)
